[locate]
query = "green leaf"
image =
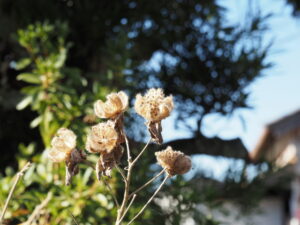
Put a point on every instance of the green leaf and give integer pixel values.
(26, 150)
(87, 175)
(28, 177)
(23, 63)
(24, 103)
(29, 78)
(34, 123)
(61, 58)
(31, 90)
(9, 171)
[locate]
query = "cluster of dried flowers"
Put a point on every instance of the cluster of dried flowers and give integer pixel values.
(106, 138)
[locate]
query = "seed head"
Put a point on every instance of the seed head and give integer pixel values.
(57, 156)
(64, 140)
(62, 144)
(115, 104)
(175, 162)
(108, 161)
(154, 106)
(102, 138)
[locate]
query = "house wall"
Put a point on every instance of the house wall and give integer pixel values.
(295, 185)
(269, 212)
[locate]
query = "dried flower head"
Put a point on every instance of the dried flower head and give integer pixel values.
(103, 138)
(155, 130)
(57, 156)
(154, 106)
(175, 162)
(108, 161)
(72, 168)
(64, 140)
(62, 144)
(115, 104)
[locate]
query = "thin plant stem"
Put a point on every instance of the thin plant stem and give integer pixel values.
(147, 183)
(127, 180)
(111, 192)
(128, 149)
(125, 197)
(38, 209)
(150, 200)
(90, 164)
(73, 217)
(19, 175)
(121, 172)
(141, 152)
(127, 184)
(128, 207)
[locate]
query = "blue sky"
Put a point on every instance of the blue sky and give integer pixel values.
(276, 93)
(273, 96)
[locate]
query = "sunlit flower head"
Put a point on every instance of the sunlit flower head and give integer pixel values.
(57, 156)
(62, 144)
(64, 140)
(115, 104)
(154, 106)
(102, 138)
(174, 162)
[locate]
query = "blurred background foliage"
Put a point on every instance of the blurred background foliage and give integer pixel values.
(57, 57)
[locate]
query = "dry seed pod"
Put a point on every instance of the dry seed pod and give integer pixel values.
(115, 104)
(174, 162)
(154, 106)
(103, 138)
(61, 145)
(76, 157)
(108, 161)
(119, 128)
(155, 130)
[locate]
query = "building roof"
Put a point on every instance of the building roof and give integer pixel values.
(276, 138)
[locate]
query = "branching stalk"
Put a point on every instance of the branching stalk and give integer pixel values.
(121, 172)
(150, 200)
(141, 152)
(129, 205)
(126, 197)
(124, 202)
(18, 177)
(147, 183)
